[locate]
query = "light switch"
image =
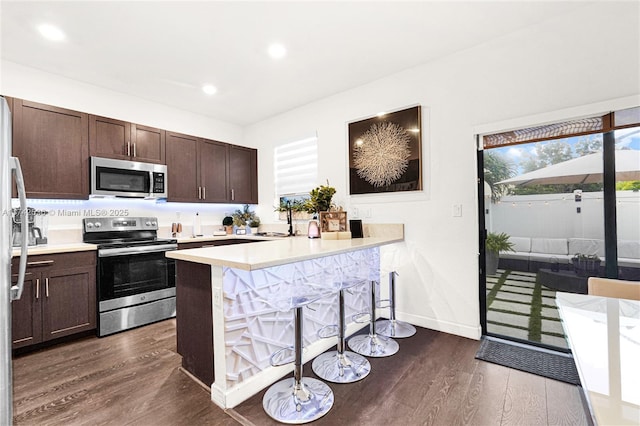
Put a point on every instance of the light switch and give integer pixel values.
(457, 210)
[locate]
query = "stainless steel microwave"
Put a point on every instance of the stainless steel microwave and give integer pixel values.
(122, 178)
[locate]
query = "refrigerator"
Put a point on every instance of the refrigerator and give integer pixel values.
(9, 169)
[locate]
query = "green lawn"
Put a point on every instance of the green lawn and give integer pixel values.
(519, 306)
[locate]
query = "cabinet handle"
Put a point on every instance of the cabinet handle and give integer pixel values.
(37, 288)
(128, 149)
(233, 195)
(134, 150)
(40, 263)
(199, 193)
(204, 192)
(46, 287)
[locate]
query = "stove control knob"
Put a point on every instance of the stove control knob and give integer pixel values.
(154, 223)
(147, 223)
(89, 225)
(97, 225)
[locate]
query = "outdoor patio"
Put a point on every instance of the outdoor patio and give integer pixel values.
(519, 306)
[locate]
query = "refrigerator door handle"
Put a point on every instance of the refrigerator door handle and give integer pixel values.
(16, 290)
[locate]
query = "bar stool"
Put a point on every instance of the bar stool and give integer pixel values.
(340, 366)
(392, 327)
(298, 399)
(372, 344)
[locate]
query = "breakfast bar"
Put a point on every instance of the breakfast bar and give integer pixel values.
(227, 330)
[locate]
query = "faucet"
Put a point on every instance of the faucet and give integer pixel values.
(290, 218)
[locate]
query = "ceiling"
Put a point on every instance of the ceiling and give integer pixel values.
(166, 51)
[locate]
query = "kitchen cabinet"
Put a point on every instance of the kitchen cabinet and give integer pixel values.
(243, 175)
(59, 298)
(121, 140)
(182, 170)
(212, 164)
(52, 145)
(197, 169)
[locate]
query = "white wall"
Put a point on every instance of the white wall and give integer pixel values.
(562, 65)
(38, 86)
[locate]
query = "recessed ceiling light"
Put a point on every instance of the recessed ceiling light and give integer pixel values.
(51, 32)
(209, 89)
(277, 51)
(381, 114)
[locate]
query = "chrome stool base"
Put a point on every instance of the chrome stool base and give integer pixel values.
(395, 329)
(336, 367)
(373, 345)
(285, 403)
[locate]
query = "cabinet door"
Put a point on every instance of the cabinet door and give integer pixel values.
(69, 302)
(109, 138)
(213, 171)
(182, 157)
(26, 316)
(148, 144)
(52, 145)
(243, 174)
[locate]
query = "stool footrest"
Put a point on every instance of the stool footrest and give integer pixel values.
(283, 356)
(383, 303)
(327, 331)
(362, 317)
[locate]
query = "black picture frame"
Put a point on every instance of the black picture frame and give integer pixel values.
(385, 152)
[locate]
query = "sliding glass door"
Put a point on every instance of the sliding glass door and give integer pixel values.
(555, 211)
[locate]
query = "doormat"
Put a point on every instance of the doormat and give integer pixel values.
(541, 363)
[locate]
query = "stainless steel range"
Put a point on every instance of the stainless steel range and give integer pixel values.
(136, 282)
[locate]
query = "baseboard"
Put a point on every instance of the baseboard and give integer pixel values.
(462, 330)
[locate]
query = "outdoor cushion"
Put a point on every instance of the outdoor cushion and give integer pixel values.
(550, 246)
(549, 258)
(514, 255)
(586, 246)
(521, 244)
(628, 262)
(629, 249)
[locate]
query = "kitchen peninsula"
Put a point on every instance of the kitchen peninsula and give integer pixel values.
(226, 329)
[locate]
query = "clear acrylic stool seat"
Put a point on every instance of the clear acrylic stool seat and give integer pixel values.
(392, 327)
(340, 366)
(298, 399)
(373, 344)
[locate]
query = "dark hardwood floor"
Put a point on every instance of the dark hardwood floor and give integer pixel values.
(132, 378)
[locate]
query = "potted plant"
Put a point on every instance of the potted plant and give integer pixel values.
(494, 244)
(254, 224)
(320, 199)
(227, 222)
(586, 265)
(242, 217)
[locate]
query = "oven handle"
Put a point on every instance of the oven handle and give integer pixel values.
(122, 251)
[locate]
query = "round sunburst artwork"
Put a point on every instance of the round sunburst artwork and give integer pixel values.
(381, 155)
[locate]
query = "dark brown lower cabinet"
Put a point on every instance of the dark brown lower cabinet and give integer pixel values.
(194, 328)
(59, 298)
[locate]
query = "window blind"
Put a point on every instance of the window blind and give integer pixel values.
(296, 166)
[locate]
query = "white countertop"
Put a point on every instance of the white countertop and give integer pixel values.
(604, 336)
(55, 248)
(276, 251)
(205, 238)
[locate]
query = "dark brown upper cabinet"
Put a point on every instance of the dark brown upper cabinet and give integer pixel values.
(212, 164)
(243, 175)
(118, 139)
(52, 146)
(182, 168)
(207, 171)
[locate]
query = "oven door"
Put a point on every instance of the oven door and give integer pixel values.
(127, 277)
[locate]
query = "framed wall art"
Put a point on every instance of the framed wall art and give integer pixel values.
(333, 221)
(385, 153)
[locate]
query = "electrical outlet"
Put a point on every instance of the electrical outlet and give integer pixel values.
(457, 210)
(217, 297)
(355, 213)
(367, 213)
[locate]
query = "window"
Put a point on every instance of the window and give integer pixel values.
(296, 166)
